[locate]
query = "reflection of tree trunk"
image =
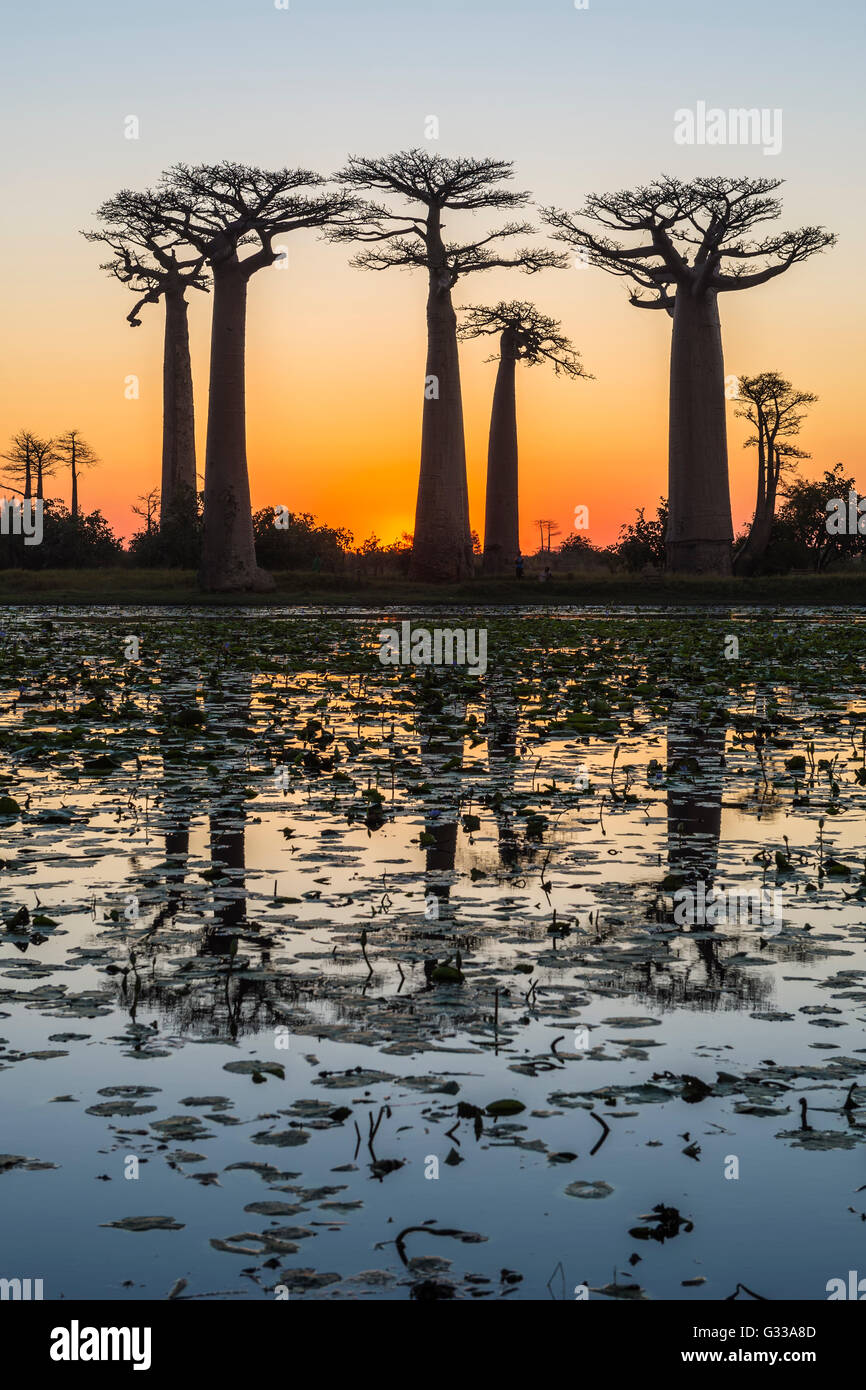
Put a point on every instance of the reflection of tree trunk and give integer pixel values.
(694, 764)
(178, 492)
(501, 517)
(230, 717)
(699, 531)
(501, 721)
(227, 851)
(229, 552)
(177, 795)
(437, 748)
(177, 841)
(695, 760)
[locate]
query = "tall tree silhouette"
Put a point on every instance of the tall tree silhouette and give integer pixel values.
(144, 257)
(76, 453)
(525, 335)
(442, 548)
(694, 243)
(777, 410)
(218, 209)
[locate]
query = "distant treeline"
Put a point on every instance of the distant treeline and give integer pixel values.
(297, 541)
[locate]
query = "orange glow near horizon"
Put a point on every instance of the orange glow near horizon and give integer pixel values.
(335, 380)
(336, 356)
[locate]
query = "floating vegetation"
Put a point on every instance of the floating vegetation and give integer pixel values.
(424, 930)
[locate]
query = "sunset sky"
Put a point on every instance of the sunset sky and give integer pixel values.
(581, 100)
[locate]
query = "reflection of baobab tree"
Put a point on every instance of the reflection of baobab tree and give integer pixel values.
(695, 782)
(502, 721)
(440, 720)
(228, 716)
(200, 983)
(703, 980)
(179, 722)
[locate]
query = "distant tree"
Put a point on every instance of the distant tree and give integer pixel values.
(803, 518)
(83, 542)
(220, 209)
(546, 527)
(298, 542)
(75, 453)
(148, 509)
(776, 410)
(19, 460)
(30, 458)
(433, 185)
(695, 242)
(525, 335)
(642, 543)
(144, 257)
(175, 543)
(577, 549)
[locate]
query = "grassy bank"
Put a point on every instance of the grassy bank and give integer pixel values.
(165, 587)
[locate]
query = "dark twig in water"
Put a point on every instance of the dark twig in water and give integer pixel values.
(556, 1267)
(364, 951)
(605, 1126)
(400, 1240)
(750, 1292)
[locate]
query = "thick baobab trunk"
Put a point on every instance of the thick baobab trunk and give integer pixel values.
(178, 492)
(501, 517)
(228, 550)
(442, 546)
(699, 531)
(73, 507)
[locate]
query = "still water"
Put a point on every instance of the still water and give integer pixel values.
(330, 979)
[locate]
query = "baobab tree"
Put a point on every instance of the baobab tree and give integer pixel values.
(545, 523)
(777, 410)
(30, 459)
(144, 257)
(694, 242)
(432, 186)
(525, 335)
(76, 453)
(219, 210)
